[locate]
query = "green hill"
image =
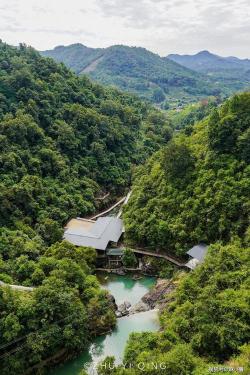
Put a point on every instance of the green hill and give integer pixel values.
(197, 187)
(64, 141)
(139, 71)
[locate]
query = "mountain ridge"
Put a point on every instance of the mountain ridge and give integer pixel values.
(138, 70)
(205, 61)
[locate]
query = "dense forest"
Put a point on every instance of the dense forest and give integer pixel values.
(197, 189)
(64, 142)
(66, 309)
(139, 71)
(192, 113)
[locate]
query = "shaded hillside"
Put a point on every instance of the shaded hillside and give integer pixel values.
(139, 71)
(63, 142)
(75, 56)
(64, 139)
(197, 188)
(233, 72)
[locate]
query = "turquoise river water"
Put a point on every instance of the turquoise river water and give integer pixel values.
(123, 288)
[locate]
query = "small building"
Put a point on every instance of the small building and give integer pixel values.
(197, 255)
(114, 256)
(97, 234)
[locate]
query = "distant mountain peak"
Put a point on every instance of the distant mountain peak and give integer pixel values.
(204, 53)
(60, 47)
(217, 66)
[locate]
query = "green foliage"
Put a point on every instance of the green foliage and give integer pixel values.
(218, 327)
(158, 95)
(192, 113)
(50, 231)
(64, 140)
(129, 259)
(62, 314)
(137, 70)
(229, 126)
(178, 161)
(197, 188)
(161, 267)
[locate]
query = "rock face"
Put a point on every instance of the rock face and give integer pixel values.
(158, 296)
(127, 304)
(123, 309)
(139, 307)
(112, 302)
(147, 269)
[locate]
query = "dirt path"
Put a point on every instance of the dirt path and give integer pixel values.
(17, 287)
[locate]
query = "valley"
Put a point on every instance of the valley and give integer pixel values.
(72, 147)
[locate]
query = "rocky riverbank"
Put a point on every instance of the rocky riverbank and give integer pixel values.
(158, 297)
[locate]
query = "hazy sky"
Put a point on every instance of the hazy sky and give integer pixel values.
(163, 26)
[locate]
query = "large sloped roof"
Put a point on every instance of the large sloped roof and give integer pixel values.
(198, 251)
(104, 230)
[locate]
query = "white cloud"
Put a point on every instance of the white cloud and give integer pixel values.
(164, 26)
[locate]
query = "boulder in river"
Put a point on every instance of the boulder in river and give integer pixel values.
(136, 277)
(158, 296)
(120, 272)
(118, 314)
(112, 302)
(139, 307)
(127, 304)
(123, 309)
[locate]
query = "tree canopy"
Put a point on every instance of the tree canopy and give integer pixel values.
(197, 187)
(64, 141)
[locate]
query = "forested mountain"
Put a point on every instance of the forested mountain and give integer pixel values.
(197, 187)
(64, 139)
(206, 62)
(139, 71)
(75, 56)
(229, 70)
(63, 142)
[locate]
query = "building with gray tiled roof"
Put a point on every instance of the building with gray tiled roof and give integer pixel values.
(197, 255)
(97, 234)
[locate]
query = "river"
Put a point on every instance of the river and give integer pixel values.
(123, 288)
